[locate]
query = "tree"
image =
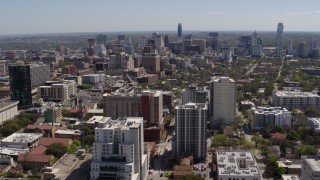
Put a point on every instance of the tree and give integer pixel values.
(308, 150)
(193, 177)
(220, 140)
(89, 139)
(66, 113)
(72, 148)
(57, 150)
(293, 135)
(85, 86)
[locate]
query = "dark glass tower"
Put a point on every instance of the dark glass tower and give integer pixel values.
(179, 30)
(20, 85)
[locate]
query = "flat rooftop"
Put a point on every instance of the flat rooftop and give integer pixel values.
(314, 164)
(22, 138)
(296, 94)
(123, 123)
(8, 104)
(239, 163)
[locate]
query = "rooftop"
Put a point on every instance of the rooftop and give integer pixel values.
(295, 94)
(22, 138)
(290, 177)
(8, 104)
(67, 131)
(34, 158)
(313, 163)
(239, 163)
(45, 141)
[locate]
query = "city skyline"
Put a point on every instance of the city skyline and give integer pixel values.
(36, 16)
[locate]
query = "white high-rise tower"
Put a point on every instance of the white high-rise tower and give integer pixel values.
(279, 40)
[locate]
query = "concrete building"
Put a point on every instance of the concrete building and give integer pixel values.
(236, 165)
(118, 150)
(302, 51)
(295, 99)
(201, 43)
(310, 169)
(311, 71)
(102, 39)
(179, 31)
(120, 61)
(315, 124)
(222, 101)
(151, 62)
(194, 94)
(58, 91)
(19, 143)
(8, 110)
(93, 78)
(128, 103)
(23, 77)
(191, 123)
(3, 67)
(264, 117)
(199, 61)
(53, 115)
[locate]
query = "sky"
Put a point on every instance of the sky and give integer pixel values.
(59, 16)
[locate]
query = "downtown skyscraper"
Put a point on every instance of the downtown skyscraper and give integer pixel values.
(279, 40)
(179, 31)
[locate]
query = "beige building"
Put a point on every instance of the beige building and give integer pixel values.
(151, 62)
(3, 67)
(222, 101)
(295, 99)
(8, 110)
(58, 92)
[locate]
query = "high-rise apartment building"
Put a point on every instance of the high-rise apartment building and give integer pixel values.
(146, 104)
(118, 150)
(222, 101)
(194, 94)
(179, 30)
(279, 40)
(190, 136)
(23, 77)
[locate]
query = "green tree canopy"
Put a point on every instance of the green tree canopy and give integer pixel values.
(308, 150)
(57, 150)
(193, 177)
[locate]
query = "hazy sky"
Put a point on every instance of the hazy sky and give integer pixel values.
(50, 16)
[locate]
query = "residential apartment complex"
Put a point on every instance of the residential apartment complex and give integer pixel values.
(269, 116)
(129, 103)
(194, 95)
(191, 124)
(118, 150)
(236, 165)
(222, 101)
(295, 99)
(58, 91)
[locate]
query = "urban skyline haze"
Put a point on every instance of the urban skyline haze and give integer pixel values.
(35, 16)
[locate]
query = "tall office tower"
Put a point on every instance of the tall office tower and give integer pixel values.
(214, 37)
(302, 50)
(222, 101)
(245, 42)
(121, 38)
(102, 39)
(91, 43)
(290, 47)
(254, 39)
(166, 41)
(118, 150)
(179, 31)
(142, 42)
(158, 41)
(194, 95)
(22, 78)
(120, 61)
(279, 40)
(190, 137)
(60, 49)
(187, 41)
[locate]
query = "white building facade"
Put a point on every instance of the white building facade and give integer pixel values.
(118, 150)
(269, 116)
(58, 92)
(295, 99)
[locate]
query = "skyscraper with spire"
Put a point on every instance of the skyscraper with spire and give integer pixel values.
(279, 40)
